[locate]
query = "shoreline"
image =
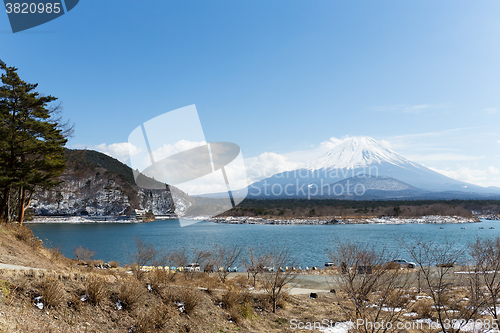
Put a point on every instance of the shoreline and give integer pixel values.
(430, 219)
(93, 219)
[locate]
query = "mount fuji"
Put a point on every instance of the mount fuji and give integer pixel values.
(362, 168)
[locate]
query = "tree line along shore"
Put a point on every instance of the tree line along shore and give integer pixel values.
(297, 211)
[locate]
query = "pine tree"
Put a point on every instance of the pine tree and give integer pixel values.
(32, 142)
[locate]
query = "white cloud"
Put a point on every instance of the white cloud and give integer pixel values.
(490, 110)
(267, 164)
(444, 157)
(168, 149)
(385, 144)
(210, 183)
(332, 143)
(439, 133)
(121, 151)
(215, 183)
(483, 177)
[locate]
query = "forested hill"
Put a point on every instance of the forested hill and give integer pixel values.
(97, 184)
(91, 159)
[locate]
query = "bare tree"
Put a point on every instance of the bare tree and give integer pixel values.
(274, 276)
(485, 254)
(83, 254)
(203, 258)
(224, 258)
(374, 289)
(256, 264)
(180, 257)
(436, 262)
(145, 255)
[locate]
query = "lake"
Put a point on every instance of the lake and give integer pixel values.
(308, 243)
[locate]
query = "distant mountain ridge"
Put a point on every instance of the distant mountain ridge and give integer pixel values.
(382, 173)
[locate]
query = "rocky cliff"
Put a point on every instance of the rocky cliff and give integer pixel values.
(96, 184)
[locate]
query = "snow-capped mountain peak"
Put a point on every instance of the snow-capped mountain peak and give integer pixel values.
(355, 152)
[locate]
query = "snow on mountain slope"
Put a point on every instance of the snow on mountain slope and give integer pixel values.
(357, 152)
(363, 157)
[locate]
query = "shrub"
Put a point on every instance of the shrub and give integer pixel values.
(145, 254)
(152, 319)
(423, 308)
(114, 264)
(396, 300)
(75, 302)
(190, 298)
(240, 312)
(246, 310)
(26, 236)
(158, 279)
(263, 301)
(240, 281)
(131, 293)
(97, 289)
(283, 300)
(230, 300)
(53, 292)
(5, 288)
(56, 255)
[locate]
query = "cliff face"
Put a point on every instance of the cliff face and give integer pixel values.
(96, 184)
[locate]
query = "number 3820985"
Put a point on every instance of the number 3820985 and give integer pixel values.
(32, 8)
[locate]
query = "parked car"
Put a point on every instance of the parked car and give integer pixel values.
(194, 267)
(403, 263)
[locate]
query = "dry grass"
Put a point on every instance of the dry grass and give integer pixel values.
(184, 297)
(97, 289)
(26, 236)
(239, 305)
(131, 292)
(283, 300)
(190, 298)
(159, 279)
(230, 299)
(424, 309)
(53, 292)
(153, 319)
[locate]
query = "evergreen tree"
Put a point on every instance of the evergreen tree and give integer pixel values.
(32, 143)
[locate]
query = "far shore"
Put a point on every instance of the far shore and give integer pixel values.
(328, 220)
(436, 219)
(94, 219)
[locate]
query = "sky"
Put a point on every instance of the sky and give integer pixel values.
(283, 79)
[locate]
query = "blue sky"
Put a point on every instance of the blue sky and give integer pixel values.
(278, 77)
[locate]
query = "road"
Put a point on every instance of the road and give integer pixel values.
(19, 267)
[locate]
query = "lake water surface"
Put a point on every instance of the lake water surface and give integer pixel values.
(308, 243)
